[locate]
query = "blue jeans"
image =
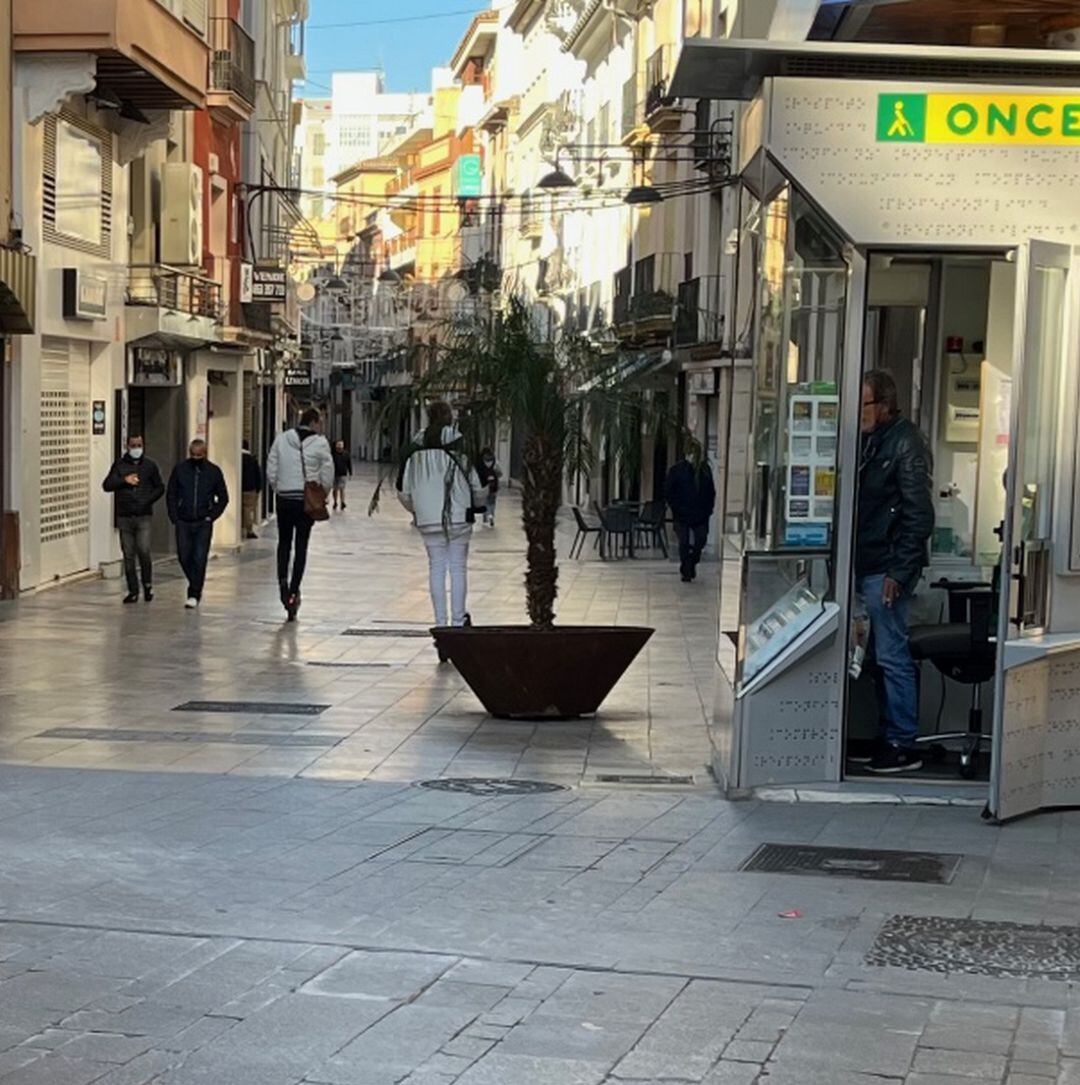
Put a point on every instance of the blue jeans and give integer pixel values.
(898, 691)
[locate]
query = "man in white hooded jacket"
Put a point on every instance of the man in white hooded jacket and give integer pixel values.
(440, 488)
(298, 456)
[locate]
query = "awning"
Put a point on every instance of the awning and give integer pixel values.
(628, 367)
(733, 69)
(18, 292)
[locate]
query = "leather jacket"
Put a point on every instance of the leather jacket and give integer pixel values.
(896, 507)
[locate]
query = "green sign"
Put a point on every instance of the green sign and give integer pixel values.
(468, 176)
(901, 118)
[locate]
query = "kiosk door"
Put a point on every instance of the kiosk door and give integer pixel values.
(1036, 757)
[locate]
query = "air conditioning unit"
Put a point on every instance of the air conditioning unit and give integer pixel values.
(182, 214)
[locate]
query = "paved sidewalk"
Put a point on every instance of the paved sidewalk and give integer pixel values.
(196, 899)
(75, 658)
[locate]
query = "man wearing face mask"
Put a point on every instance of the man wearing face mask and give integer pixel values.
(136, 481)
(196, 497)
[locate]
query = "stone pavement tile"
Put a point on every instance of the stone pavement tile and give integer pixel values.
(1042, 1051)
(489, 973)
(968, 1064)
(748, 1051)
(602, 1042)
(1030, 1079)
(50, 1039)
(202, 1032)
(469, 1046)
(140, 1071)
(1070, 1072)
(1034, 1069)
(732, 1073)
(957, 1038)
(974, 1015)
(55, 1069)
(786, 1073)
(609, 997)
(476, 996)
(501, 1069)
(381, 975)
(509, 1011)
(106, 1047)
(823, 1045)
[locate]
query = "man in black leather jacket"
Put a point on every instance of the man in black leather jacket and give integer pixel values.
(895, 521)
(136, 481)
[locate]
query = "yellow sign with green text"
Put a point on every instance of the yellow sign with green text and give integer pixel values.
(1048, 120)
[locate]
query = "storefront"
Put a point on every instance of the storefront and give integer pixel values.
(928, 228)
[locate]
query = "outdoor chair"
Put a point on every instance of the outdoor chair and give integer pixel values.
(617, 531)
(651, 529)
(584, 530)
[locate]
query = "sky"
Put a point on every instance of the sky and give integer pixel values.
(406, 38)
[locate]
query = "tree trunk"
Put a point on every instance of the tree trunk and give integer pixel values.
(541, 496)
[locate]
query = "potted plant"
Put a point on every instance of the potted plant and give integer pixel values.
(497, 370)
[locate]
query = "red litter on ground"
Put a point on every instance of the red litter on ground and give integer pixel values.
(794, 913)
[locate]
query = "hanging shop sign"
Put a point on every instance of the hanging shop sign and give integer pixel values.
(297, 375)
(702, 382)
(154, 367)
(86, 296)
(97, 417)
(268, 284)
(247, 283)
(1049, 120)
(468, 176)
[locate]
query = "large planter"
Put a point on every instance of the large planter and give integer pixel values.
(523, 673)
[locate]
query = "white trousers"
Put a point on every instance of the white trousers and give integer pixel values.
(449, 555)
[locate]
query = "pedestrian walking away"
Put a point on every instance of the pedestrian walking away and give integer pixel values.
(251, 484)
(298, 458)
(196, 497)
(489, 472)
(342, 470)
(691, 494)
(136, 481)
(442, 491)
(894, 522)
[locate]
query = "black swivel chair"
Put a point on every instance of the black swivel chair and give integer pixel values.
(964, 650)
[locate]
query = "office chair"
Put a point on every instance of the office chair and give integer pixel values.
(963, 650)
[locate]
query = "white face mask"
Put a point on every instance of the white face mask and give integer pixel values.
(135, 453)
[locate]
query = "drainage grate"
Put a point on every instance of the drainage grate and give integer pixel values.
(874, 865)
(387, 633)
(623, 778)
(261, 708)
(977, 947)
(481, 785)
(337, 663)
(237, 738)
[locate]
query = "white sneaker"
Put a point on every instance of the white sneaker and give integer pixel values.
(192, 602)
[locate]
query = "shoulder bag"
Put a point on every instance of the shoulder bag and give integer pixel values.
(314, 494)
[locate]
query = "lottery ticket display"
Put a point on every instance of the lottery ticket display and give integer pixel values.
(811, 469)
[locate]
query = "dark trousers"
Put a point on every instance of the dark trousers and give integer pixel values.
(292, 523)
(692, 540)
(193, 550)
(135, 543)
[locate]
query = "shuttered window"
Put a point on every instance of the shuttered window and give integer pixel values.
(77, 185)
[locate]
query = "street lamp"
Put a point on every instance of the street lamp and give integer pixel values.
(557, 178)
(643, 194)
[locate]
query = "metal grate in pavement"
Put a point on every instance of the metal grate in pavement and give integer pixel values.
(237, 738)
(260, 708)
(643, 781)
(977, 947)
(343, 663)
(387, 633)
(485, 785)
(868, 863)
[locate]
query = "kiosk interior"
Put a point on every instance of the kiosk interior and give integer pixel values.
(937, 251)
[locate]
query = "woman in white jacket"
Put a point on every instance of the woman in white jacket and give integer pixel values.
(297, 456)
(440, 488)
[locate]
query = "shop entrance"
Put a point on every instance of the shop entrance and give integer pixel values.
(941, 325)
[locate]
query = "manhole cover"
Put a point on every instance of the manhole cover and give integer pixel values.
(261, 708)
(874, 865)
(489, 786)
(977, 947)
(387, 633)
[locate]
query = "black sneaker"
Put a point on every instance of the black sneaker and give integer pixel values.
(131, 597)
(466, 622)
(865, 750)
(893, 759)
(148, 594)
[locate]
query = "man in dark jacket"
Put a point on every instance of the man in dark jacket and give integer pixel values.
(251, 484)
(196, 497)
(691, 493)
(342, 470)
(895, 521)
(136, 481)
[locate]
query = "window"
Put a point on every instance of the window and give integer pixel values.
(693, 18)
(77, 184)
(318, 143)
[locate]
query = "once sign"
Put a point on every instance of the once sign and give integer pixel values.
(1051, 120)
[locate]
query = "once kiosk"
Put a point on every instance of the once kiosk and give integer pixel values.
(928, 227)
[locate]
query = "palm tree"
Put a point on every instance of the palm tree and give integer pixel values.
(498, 369)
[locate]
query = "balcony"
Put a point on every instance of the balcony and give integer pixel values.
(145, 54)
(232, 70)
(699, 317)
(172, 308)
(660, 111)
(645, 296)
